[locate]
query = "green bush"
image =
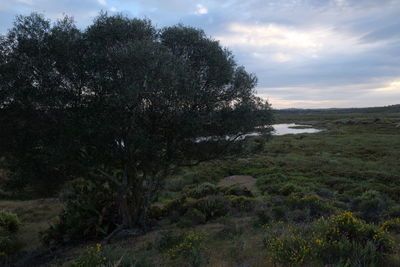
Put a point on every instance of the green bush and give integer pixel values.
(338, 240)
(263, 213)
(175, 184)
(288, 245)
(213, 206)
(9, 221)
(192, 217)
(167, 240)
(200, 191)
(9, 226)
(343, 237)
(289, 188)
(393, 212)
(99, 256)
(157, 212)
(236, 190)
(89, 211)
(392, 225)
(316, 206)
(242, 203)
(190, 249)
(271, 183)
(370, 205)
(176, 205)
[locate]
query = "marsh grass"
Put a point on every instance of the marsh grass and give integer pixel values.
(352, 166)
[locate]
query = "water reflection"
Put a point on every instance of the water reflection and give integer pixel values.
(287, 128)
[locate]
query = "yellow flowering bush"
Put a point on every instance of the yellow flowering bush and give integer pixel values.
(190, 248)
(346, 226)
(392, 225)
(339, 239)
(93, 257)
(290, 249)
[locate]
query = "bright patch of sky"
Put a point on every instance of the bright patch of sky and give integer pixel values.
(305, 53)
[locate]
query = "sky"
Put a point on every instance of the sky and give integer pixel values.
(305, 53)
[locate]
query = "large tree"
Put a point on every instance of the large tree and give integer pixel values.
(122, 101)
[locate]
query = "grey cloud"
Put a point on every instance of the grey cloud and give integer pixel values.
(347, 76)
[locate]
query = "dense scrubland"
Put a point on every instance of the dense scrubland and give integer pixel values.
(329, 198)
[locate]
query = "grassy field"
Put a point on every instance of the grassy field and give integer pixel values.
(300, 181)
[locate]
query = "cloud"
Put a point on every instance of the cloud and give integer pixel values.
(283, 43)
(305, 53)
(27, 2)
(201, 10)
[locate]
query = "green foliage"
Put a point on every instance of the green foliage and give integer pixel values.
(289, 188)
(344, 237)
(175, 184)
(339, 239)
(157, 212)
(192, 217)
(89, 211)
(201, 190)
(242, 203)
(237, 190)
(370, 205)
(316, 206)
(108, 256)
(271, 183)
(167, 240)
(213, 206)
(9, 222)
(191, 249)
(9, 226)
(121, 100)
(288, 245)
(392, 225)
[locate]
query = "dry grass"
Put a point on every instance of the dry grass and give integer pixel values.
(35, 216)
(247, 181)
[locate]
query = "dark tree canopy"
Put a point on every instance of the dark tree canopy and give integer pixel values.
(120, 100)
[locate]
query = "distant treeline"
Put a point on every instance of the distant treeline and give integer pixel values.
(386, 109)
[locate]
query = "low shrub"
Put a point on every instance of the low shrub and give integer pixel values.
(392, 225)
(344, 237)
(167, 240)
(89, 211)
(338, 240)
(200, 191)
(263, 213)
(288, 245)
(393, 212)
(9, 221)
(190, 249)
(242, 203)
(289, 188)
(175, 184)
(192, 217)
(9, 243)
(268, 183)
(157, 212)
(236, 190)
(370, 205)
(213, 206)
(99, 256)
(316, 206)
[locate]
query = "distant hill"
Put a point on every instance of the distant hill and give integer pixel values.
(385, 109)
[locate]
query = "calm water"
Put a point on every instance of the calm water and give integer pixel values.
(279, 129)
(285, 128)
